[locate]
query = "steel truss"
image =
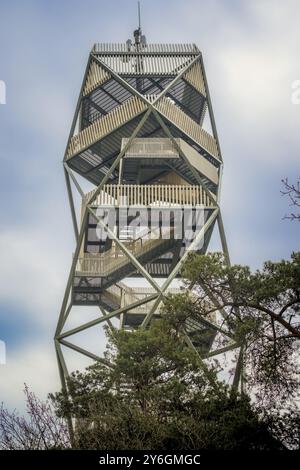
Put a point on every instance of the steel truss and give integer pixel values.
(98, 69)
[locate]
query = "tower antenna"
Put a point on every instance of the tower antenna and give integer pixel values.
(139, 14)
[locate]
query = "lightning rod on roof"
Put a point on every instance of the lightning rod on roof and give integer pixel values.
(138, 37)
(139, 14)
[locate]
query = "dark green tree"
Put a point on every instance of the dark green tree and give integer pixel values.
(153, 391)
(261, 308)
(158, 394)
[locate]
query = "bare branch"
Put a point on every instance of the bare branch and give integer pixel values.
(293, 192)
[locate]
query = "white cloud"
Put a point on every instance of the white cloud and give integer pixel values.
(33, 273)
(33, 364)
(253, 77)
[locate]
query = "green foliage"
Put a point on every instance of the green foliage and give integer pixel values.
(261, 309)
(158, 394)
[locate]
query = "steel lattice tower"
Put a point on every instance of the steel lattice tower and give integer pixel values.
(138, 136)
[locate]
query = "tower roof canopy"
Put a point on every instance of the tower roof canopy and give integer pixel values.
(145, 49)
(146, 59)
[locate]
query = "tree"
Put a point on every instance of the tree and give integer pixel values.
(153, 391)
(158, 394)
(261, 308)
(41, 429)
(293, 192)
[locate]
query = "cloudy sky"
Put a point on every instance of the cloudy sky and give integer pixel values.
(251, 50)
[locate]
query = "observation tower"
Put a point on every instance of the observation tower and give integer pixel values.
(138, 136)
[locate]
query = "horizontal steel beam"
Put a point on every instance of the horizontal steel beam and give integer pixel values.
(85, 352)
(106, 317)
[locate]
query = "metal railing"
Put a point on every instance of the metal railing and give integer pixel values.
(188, 125)
(151, 59)
(123, 295)
(105, 125)
(194, 76)
(150, 147)
(122, 48)
(152, 195)
(106, 263)
(95, 77)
